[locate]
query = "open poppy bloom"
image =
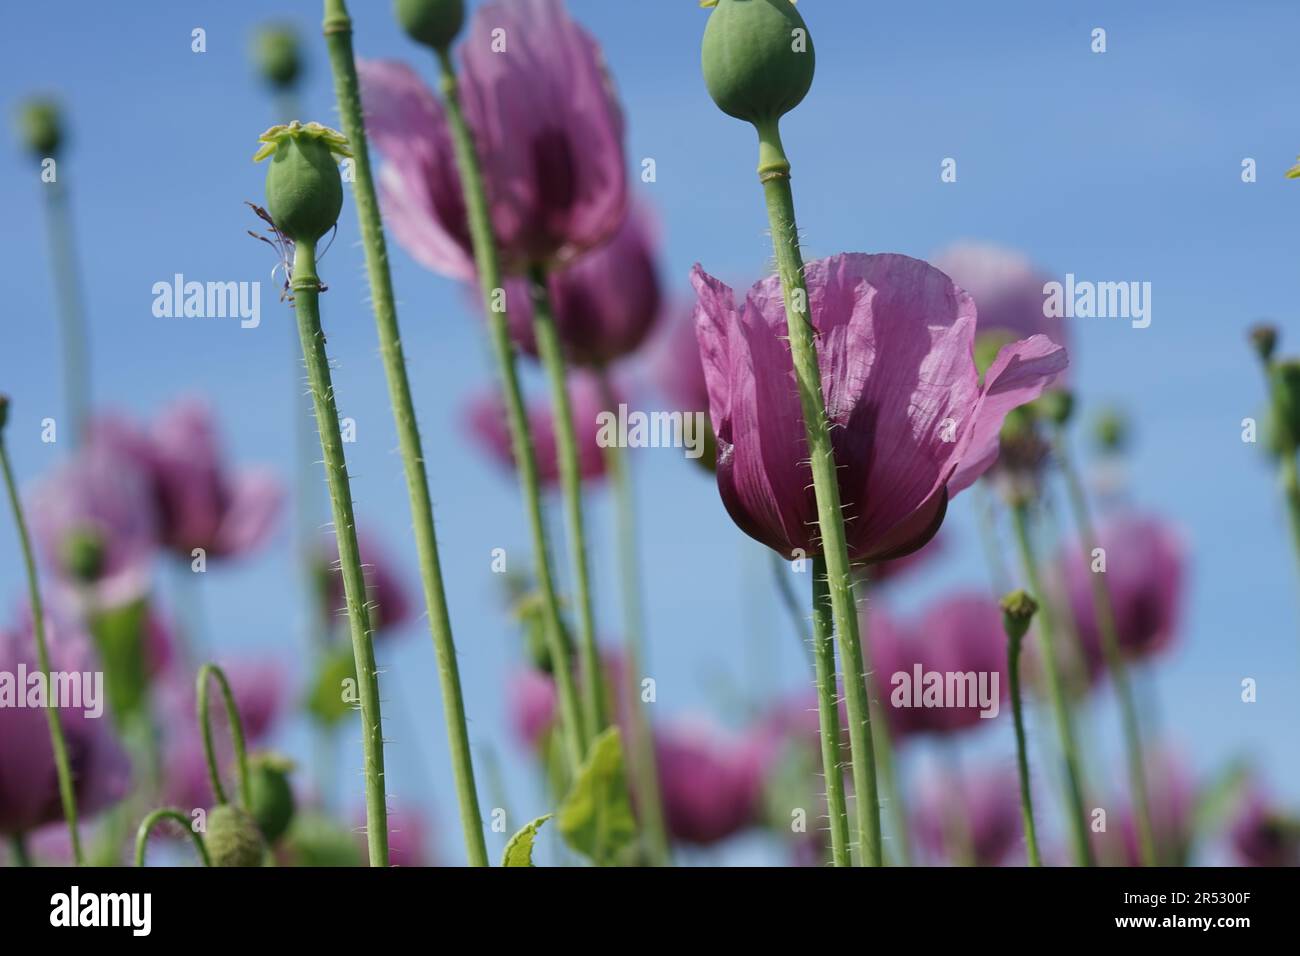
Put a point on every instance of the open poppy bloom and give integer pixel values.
(912, 424)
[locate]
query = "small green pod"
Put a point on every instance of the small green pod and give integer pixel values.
(304, 189)
(40, 125)
(271, 800)
(435, 23)
(758, 58)
(232, 837)
(277, 56)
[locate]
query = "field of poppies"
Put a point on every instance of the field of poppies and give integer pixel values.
(486, 463)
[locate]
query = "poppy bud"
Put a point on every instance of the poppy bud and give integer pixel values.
(233, 838)
(1285, 378)
(758, 59)
(41, 127)
(276, 53)
(435, 23)
(1111, 431)
(1018, 610)
(1057, 406)
(1264, 337)
(271, 799)
(304, 190)
(84, 555)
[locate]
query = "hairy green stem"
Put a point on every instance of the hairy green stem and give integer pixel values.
(645, 777)
(73, 332)
(882, 741)
(774, 173)
(828, 714)
(157, 817)
(488, 261)
(1076, 811)
(236, 735)
(306, 289)
(1104, 609)
(58, 744)
(1022, 754)
(551, 354)
(338, 35)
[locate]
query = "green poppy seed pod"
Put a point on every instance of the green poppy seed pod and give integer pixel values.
(41, 126)
(1111, 431)
(233, 838)
(1285, 379)
(277, 56)
(435, 23)
(1057, 406)
(271, 800)
(1018, 610)
(1263, 337)
(758, 59)
(83, 555)
(304, 189)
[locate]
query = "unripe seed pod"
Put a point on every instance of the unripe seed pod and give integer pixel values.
(233, 838)
(758, 59)
(304, 190)
(1263, 336)
(41, 127)
(1111, 431)
(271, 799)
(276, 53)
(435, 23)
(1018, 610)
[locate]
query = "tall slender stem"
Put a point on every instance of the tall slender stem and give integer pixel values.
(157, 817)
(774, 173)
(58, 744)
(73, 333)
(1022, 753)
(306, 289)
(566, 448)
(338, 35)
(212, 671)
(488, 261)
(1104, 610)
(645, 777)
(882, 741)
(828, 714)
(1291, 491)
(1056, 691)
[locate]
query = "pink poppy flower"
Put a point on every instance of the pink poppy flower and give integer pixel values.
(912, 423)
(1145, 572)
(549, 132)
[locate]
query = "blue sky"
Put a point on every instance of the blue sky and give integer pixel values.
(1118, 166)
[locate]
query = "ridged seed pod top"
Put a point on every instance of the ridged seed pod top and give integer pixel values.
(758, 58)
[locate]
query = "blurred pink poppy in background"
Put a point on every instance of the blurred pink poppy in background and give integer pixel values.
(549, 134)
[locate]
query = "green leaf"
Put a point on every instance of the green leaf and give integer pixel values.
(596, 817)
(519, 851)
